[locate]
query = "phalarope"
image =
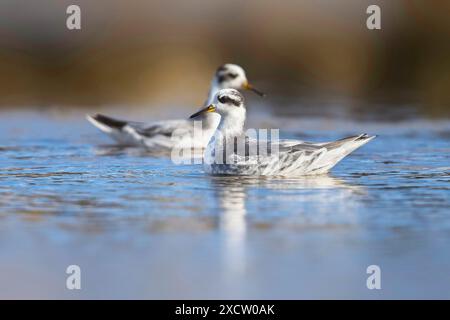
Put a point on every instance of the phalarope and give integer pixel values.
(159, 135)
(229, 152)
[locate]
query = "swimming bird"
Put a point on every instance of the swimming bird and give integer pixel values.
(160, 135)
(231, 152)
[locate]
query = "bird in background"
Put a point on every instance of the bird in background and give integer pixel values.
(159, 135)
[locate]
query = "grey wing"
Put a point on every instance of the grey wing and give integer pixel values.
(162, 128)
(293, 145)
(250, 148)
(293, 157)
(144, 129)
(258, 147)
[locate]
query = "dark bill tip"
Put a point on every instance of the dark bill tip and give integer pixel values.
(209, 108)
(259, 93)
(248, 86)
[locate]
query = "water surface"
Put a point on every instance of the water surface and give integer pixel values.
(141, 227)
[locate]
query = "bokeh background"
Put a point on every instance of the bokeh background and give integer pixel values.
(147, 53)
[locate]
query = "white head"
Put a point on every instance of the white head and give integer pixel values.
(229, 104)
(232, 76)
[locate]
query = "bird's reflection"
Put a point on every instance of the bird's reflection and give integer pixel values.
(232, 195)
(187, 156)
(118, 150)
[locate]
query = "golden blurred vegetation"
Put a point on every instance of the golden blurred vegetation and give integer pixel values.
(141, 52)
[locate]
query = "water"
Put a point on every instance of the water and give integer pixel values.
(141, 227)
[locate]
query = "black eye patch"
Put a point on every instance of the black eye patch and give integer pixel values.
(229, 100)
(226, 76)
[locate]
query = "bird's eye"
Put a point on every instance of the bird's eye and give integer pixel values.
(232, 75)
(222, 99)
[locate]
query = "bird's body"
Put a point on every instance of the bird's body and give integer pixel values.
(180, 133)
(158, 135)
(286, 158)
(230, 152)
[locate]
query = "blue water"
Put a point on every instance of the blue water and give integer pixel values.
(141, 227)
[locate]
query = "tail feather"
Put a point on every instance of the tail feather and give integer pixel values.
(357, 141)
(108, 121)
(116, 129)
(338, 150)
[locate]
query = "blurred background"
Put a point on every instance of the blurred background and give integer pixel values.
(145, 53)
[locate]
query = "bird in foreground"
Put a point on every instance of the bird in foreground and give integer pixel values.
(164, 135)
(230, 152)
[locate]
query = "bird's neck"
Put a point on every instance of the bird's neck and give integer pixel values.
(210, 120)
(222, 142)
(214, 88)
(232, 125)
